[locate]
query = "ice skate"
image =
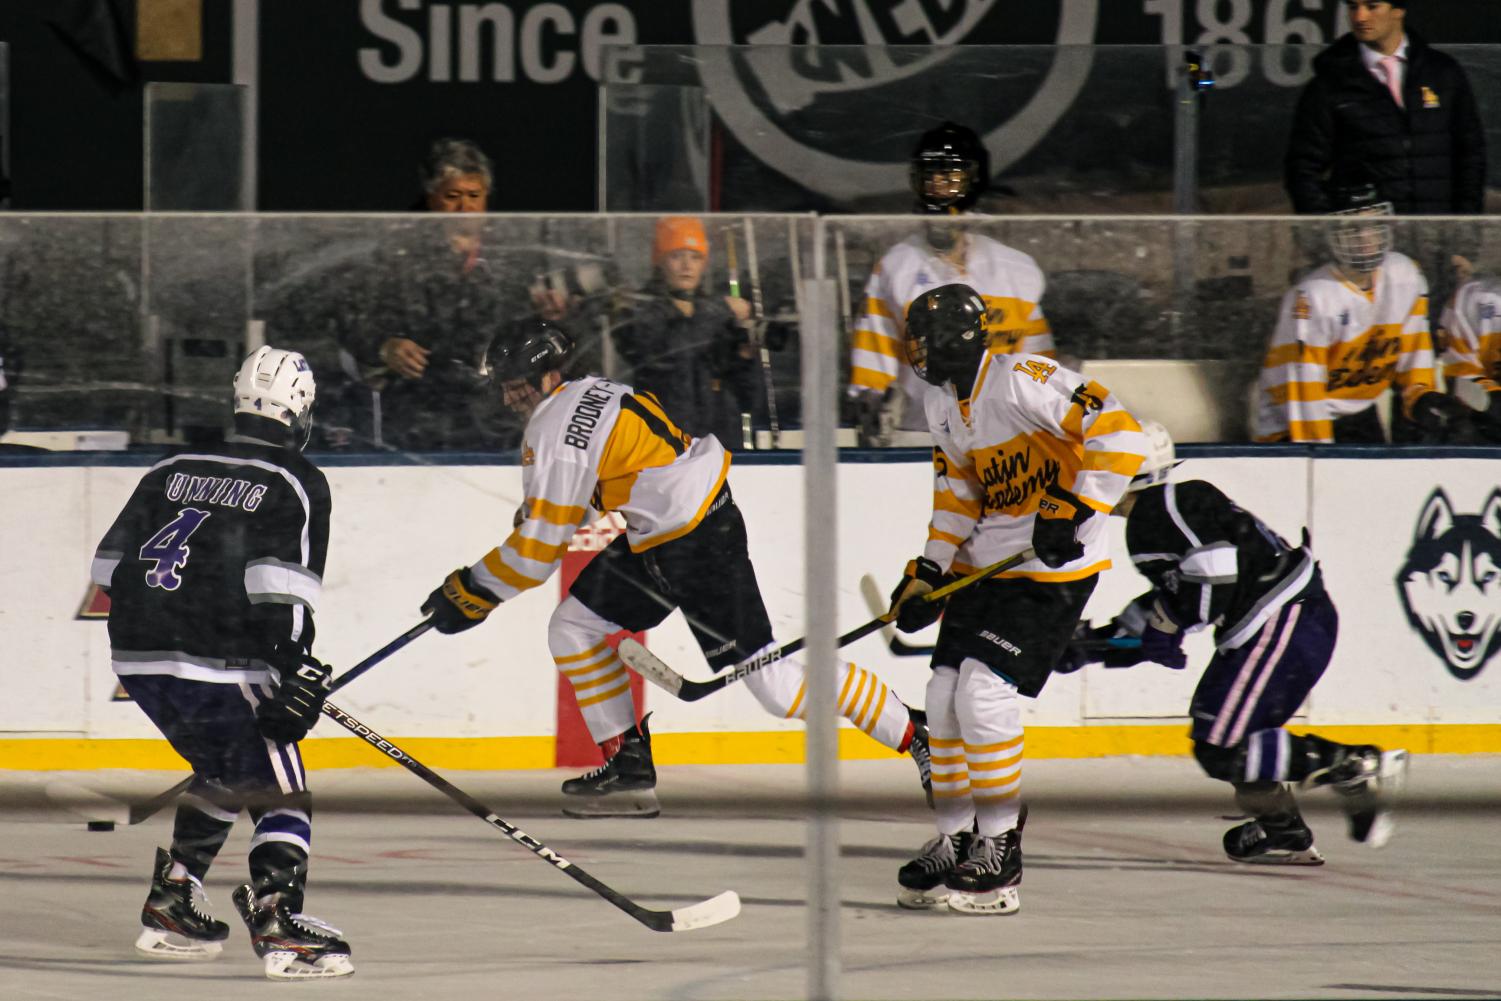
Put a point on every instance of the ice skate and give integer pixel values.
(1273, 841)
(922, 879)
(624, 786)
(175, 923)
(922, 756)
(1366, 783)
(293, 946)
(988, 881)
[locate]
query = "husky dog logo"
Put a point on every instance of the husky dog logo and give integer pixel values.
(1451, 582)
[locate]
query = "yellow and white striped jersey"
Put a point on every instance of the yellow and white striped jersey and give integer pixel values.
(1027, 422)
(1008, 280)
(1337, 348)
(1472, 323)
(595, 445)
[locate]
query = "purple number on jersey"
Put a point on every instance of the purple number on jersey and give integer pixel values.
(168, 548)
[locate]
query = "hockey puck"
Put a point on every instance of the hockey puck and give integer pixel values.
(101, 825)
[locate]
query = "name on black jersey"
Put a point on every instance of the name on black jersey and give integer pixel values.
(225, 491)
(586, 416)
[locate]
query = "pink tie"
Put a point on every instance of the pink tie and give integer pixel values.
(1389, 66)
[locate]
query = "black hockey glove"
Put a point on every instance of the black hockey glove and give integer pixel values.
(297, 701)
(459, 603)
(1439, 413)
(1055, 530)
(913, 613)
(1162, 647)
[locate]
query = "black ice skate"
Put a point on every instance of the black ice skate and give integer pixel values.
(1367, 781)
(988, 881)
(294, 946)
(923, 878)
(175, 923)
(624, 786)
(1279, 840)
(922, 755)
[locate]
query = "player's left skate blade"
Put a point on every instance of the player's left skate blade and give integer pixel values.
(640, 803)
(1006, 900)
(289, 966)
(156, 943)
(922, 900)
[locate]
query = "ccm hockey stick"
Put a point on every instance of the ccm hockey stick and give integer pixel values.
(92, 802)
(651, 667)
(700, 915)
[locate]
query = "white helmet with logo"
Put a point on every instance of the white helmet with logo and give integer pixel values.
(1160, 460)
(278, 385)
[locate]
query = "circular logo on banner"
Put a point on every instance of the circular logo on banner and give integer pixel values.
(842, 119)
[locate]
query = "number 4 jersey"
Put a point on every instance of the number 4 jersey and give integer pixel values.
(216, 558)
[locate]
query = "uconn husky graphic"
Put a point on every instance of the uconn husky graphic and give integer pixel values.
(1451, 582)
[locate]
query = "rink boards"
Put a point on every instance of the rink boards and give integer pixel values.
(1406, 545)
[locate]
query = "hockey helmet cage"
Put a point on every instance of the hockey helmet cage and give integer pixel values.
(1161, 457)
(950, 169)
(279, 385)
(946, 335)
(526, 351)
(1357, 242)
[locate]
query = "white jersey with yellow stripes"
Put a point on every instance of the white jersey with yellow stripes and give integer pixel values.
(1338, 347)
(1008, 280)
(593, 446)
(1027, 422)
(1472, 323)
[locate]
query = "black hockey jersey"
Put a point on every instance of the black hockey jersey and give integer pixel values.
(216, 559)
(1213, 563)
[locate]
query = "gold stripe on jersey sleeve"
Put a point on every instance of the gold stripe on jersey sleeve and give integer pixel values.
(536, 549)
(1111, 422)
(871, 378)
(554, 514)
(497, 565)
(1322, 430)
(1416, 340)
(947, 500)
(934, 535)
(1419, 306)
(1302, 391)
(874, 342)
(878, 307)
(1296, 353)
(1124, 463)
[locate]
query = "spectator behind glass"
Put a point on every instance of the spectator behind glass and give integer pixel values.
(436, 301)
(1384, 104)
(686, 346)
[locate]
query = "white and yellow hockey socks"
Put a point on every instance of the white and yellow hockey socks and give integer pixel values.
(864, 699)
(990, 721)
(951, 794)
(601, 683)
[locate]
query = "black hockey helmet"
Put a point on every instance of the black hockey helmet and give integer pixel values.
(950, 168)
(1357, 242)
(525, 351)
(946, 335)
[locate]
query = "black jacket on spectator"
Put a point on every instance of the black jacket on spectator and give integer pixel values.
(1427, 158)
(692, 364)
(452, 304)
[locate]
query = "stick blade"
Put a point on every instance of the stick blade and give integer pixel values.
(714, 911)
(86, 803)
(649, 666)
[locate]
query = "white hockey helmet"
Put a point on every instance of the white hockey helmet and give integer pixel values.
(1160, 460)
(279, 385)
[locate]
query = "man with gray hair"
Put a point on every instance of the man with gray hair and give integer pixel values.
(456, 176)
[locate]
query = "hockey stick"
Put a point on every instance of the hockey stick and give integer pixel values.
(758, 316)
(651, 667)
(137, 812)
(700, 915)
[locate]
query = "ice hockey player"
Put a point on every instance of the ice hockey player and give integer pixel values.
(1212, 563)
(950, 170)
(213, 570)
(1349, 332)
(593, 445)
(1026, 454)
(1472, 352)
